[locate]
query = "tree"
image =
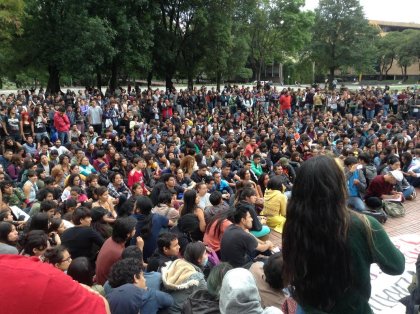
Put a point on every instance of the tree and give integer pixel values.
(407, 50)
(387, 51)
(342, 36)
(277, 28)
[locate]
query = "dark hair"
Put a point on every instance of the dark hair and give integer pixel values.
(5, 228)
(246, 192)
(80, 213)
(43, 193)
(365, 157)
(275, 183)
(239, 213)
(100, 190)
(351, 160)
(215, 198)
(215, 279)
(164, 240)
(54, 254)
(39, 221)
(144, 205)
(123, 272)
(55, 223)
(81, 270)
(190, 205)
(392, 159)
(35, 239)
(320, 273)
(194, 251)
(70, 180)
(165, 198)
(218, 219)
(132, 251)
(47, 205)
(273, 268)
(123, 227)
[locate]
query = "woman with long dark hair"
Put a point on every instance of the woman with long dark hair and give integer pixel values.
(148, 226)
(215, 229)
(328, 249)
(191, 200)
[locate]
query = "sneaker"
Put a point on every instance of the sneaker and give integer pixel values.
(414, 195)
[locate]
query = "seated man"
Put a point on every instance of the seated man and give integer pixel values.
(356, 183)
(238, 247)
(218, 204)
(130, 293)
(167, 250)
(382, 188)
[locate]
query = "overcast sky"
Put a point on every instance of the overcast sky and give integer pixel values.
(389, 10)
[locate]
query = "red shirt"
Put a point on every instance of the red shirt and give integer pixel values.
(285, 102)
(29, 286)
(136, 176)
(379, 187)
(109, 254)
(61, 122)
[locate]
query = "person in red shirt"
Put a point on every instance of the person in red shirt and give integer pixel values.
(124, 229)
(250, 148)
(382, 188)
(30, 286)
(62, 125)
(286, 104)
(136, 175)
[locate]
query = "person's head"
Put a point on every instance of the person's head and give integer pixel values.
(273, 268)
(81, 270)
(248, 195)
(102, 193)
(143, 205)
(350, 161)
(56, 225)
(8, 233)
(275, 183)
(215, 279)
(137, 189)
(32, 176)
(39, 221)
(215, 198)
(319, 196)
(165, 198)
(190, 202)
(393, 177)
(126, 271)
(58, 256)
(167, 244)
(35, 243)
(217, 177)
(6, 215)
(394, 162)
(196, 254)
(81, 217)
(124, 229)
(49, 207)
(242, 217)
(169, 180)
(133, 251)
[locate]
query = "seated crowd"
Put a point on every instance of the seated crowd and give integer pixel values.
(170, 211)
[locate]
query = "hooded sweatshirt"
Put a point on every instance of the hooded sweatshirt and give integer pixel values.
(239, 294)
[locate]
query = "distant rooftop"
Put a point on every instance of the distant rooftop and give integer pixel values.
(394, 26)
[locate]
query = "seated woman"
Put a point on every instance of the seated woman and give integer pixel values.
(118, 190)
(30, 188)
(190, 206)
(127, 208)
(164, 207)
(247, 198)
(215, 229)
(35, 243)
(59, 257)
(86, 168)
(105, 201)
(8, 238)
(275, 204)
(148, 226)
(82, 271)
(192, 279)
(73, 180)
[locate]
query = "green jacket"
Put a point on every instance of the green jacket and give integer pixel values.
(16, 199)
(383, 252)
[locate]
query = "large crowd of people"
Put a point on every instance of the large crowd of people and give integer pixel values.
(158, 201)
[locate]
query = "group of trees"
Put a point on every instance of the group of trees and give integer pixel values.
(105, 41)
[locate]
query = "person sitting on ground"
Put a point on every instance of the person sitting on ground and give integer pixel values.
(130, 295)
(238, 246)
(216, 228)
(182, 277)
(218, 204)
(275, 204)
(247, 198)
(269, 280)
(207, 301)
(110, 252)
(356, 183)
(167, 251)
(8, 238)
(383, 188)
(239, 294)
(59, 257)
(81, 270)
(165, 208)
(35, 243)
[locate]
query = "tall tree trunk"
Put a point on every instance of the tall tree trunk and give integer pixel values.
(218, 80)
(114, 76)
(149, 79)
(53, 86)
(99, 79)
(190, 81)
(168, 82)
(331, 78)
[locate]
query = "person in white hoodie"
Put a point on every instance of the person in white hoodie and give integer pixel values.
(239, 294)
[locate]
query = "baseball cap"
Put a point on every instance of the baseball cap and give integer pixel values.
(397, 174)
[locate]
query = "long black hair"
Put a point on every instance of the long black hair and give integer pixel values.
(144, 205)
(190, 204)
(218, 219)
(316, 257)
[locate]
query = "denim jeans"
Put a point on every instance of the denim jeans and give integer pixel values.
(370, 114)
(407, 192)
(356, 203)
(63, 136)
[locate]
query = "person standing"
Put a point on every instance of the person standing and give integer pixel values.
(95, 117)
(62, 125)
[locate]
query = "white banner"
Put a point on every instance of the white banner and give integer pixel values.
(388, 290)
